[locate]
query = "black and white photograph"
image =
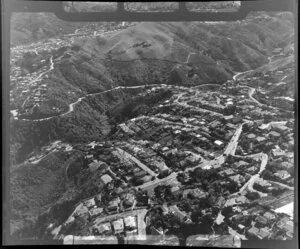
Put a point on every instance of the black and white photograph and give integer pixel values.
(149, 130)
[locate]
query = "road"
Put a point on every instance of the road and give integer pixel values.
(71, 106)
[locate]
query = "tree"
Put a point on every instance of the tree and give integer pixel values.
(252, 195)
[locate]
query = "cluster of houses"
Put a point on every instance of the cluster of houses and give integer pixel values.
(259, 137)
(126, 226)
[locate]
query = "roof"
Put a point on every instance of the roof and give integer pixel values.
(89, 202)
(263, 233)
(130, 221)
(274, 134)
(118, 225)
(106, 179)
(261, 219)
(251, 135)
(260, 139)
(103, 227)
(94, 166)
(218, 142)
(96, 211)
(241, 163)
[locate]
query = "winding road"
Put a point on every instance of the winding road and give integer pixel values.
(71, 106)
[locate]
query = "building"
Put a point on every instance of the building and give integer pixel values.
(103, 228)
(113, 205)
(240, 164)
(95, 165)
(89, 203)
(251, 136)
(196, 193)
(227, 172)
(252, 169)
(274, 135)
(82, 211)
(179, 214)
(263, 233)
(118, 225)
(238, 178)
(261, 221)
(282, 174)
(219, 144)
(129, 200)
(96, 211)
(280, 128)
(130, 222)
(269, 215)
(106, 179)
(277, 152)
(260, 139)
(146, 178)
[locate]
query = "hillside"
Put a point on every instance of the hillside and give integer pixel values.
(148, 53)
(84, 81)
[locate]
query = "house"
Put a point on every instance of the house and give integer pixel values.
(179, 214)
(280, 128)
(263, 233)
(93, 166)
(96, 211)
(103, 228)
(253, 231)
(194, 193)
(238, 178)
(141, 173)
(146, 178)
(162, 167)
(251, 136)
(263, 182)
(106, 179)
(82, 211)
(130, 222)
(89, 203)
(251, 169)
(227, 172)
(277, 50)
(269, 215)
(113, 205)
(220, 202)
(260, 139)
(261, 221)
(236, 120)
(118, 225)
(277, 152)
(274, 135)
(241, 228)
(129, 199)
(219, 144)
(282, 174)
(241, 199)
(175, 189)
(240, 163)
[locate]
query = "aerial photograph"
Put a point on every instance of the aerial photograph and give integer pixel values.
(156, 133)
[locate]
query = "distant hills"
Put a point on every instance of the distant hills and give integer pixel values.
(182, 53)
